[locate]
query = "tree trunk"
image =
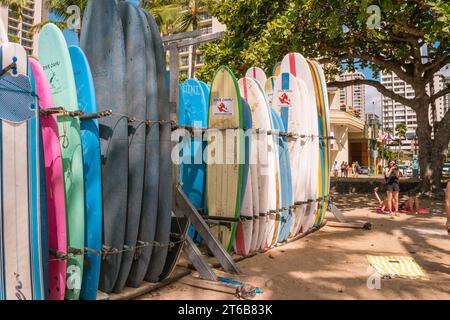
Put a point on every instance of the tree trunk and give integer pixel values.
(431, 150)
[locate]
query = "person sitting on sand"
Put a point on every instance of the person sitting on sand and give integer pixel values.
(411, 204)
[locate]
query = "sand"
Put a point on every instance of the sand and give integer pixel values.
(332, 263)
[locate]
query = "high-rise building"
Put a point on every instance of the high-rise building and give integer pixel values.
(353, 96)
(394, 113)
(208, 25)
(19, 26)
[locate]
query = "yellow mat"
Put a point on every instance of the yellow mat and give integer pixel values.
(397, 266)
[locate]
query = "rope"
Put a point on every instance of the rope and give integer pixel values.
(107, 251)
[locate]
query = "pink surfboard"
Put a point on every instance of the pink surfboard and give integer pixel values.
(56, 206)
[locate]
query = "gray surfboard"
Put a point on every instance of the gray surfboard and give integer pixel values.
(147, 226)
(163, 223)
(136, 78)
(102, 41)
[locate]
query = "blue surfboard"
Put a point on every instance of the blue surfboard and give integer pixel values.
(286, 179)
(193, 112)
(90, 141)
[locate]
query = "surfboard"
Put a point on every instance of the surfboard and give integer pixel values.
(244, 227)
(225, 156)
(290, 103)
(266, 159)
(257, 74)
(102, 41)
(21, 265)
(147, 225)
(322, 109)
(164, 218)
(3, 34)
(135, 78)
(286, 180)
(268, 89)
(90, 141)
(193, 112)
(254, 180)
(56, 206)
(55, 59)
(276, 69)
(296, 64)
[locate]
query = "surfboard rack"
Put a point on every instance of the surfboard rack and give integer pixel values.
(97, 115)
(7, 69)
(184, 209)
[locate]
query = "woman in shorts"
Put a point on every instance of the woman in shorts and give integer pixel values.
(392, 178)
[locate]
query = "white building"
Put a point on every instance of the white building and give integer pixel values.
(353, 96)
(208, 25)
(19, 27)
(394, 113)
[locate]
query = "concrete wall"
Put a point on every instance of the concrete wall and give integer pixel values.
(340, 134)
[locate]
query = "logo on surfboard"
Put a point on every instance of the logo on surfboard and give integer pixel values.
(284, 99)
(223, 106)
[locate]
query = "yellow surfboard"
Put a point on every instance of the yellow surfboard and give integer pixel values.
(224, 156)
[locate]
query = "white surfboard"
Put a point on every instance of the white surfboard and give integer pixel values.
(257, 74)
(290, 101)
(265, 161)
(254, 180)
(269, 88)
(296, 64)
(3, 34)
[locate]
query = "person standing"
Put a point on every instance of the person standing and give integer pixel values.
(336, 168)
(357, 167)
(392, 178)
(354, 169)
(346, 167)
(343, 169)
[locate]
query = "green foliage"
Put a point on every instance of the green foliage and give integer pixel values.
(261, 32)
(60, 6)
(386, 153)
(400, 130)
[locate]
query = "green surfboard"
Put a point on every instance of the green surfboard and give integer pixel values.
(55, 59)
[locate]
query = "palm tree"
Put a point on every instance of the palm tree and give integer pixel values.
(190, 20)
(166, 14)
(178, 16)
(16, 9)
(15, 6)
(59, 7)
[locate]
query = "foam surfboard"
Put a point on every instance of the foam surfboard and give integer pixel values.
(224, 173)
(21, 265)
(147, 225)
(268, 89)
(164, 218)
(3, 34)
(276, 69)
(290, 103)
(257, 74)
(245, 225)
(90, 140)
(324, 129)
(193, 112)
(102, 41)
(55, 59)
(56, 205)
(285, 181)
(296, 64)
(135, 78)
(266, 159)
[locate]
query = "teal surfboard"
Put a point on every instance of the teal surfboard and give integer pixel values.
(55, 59)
